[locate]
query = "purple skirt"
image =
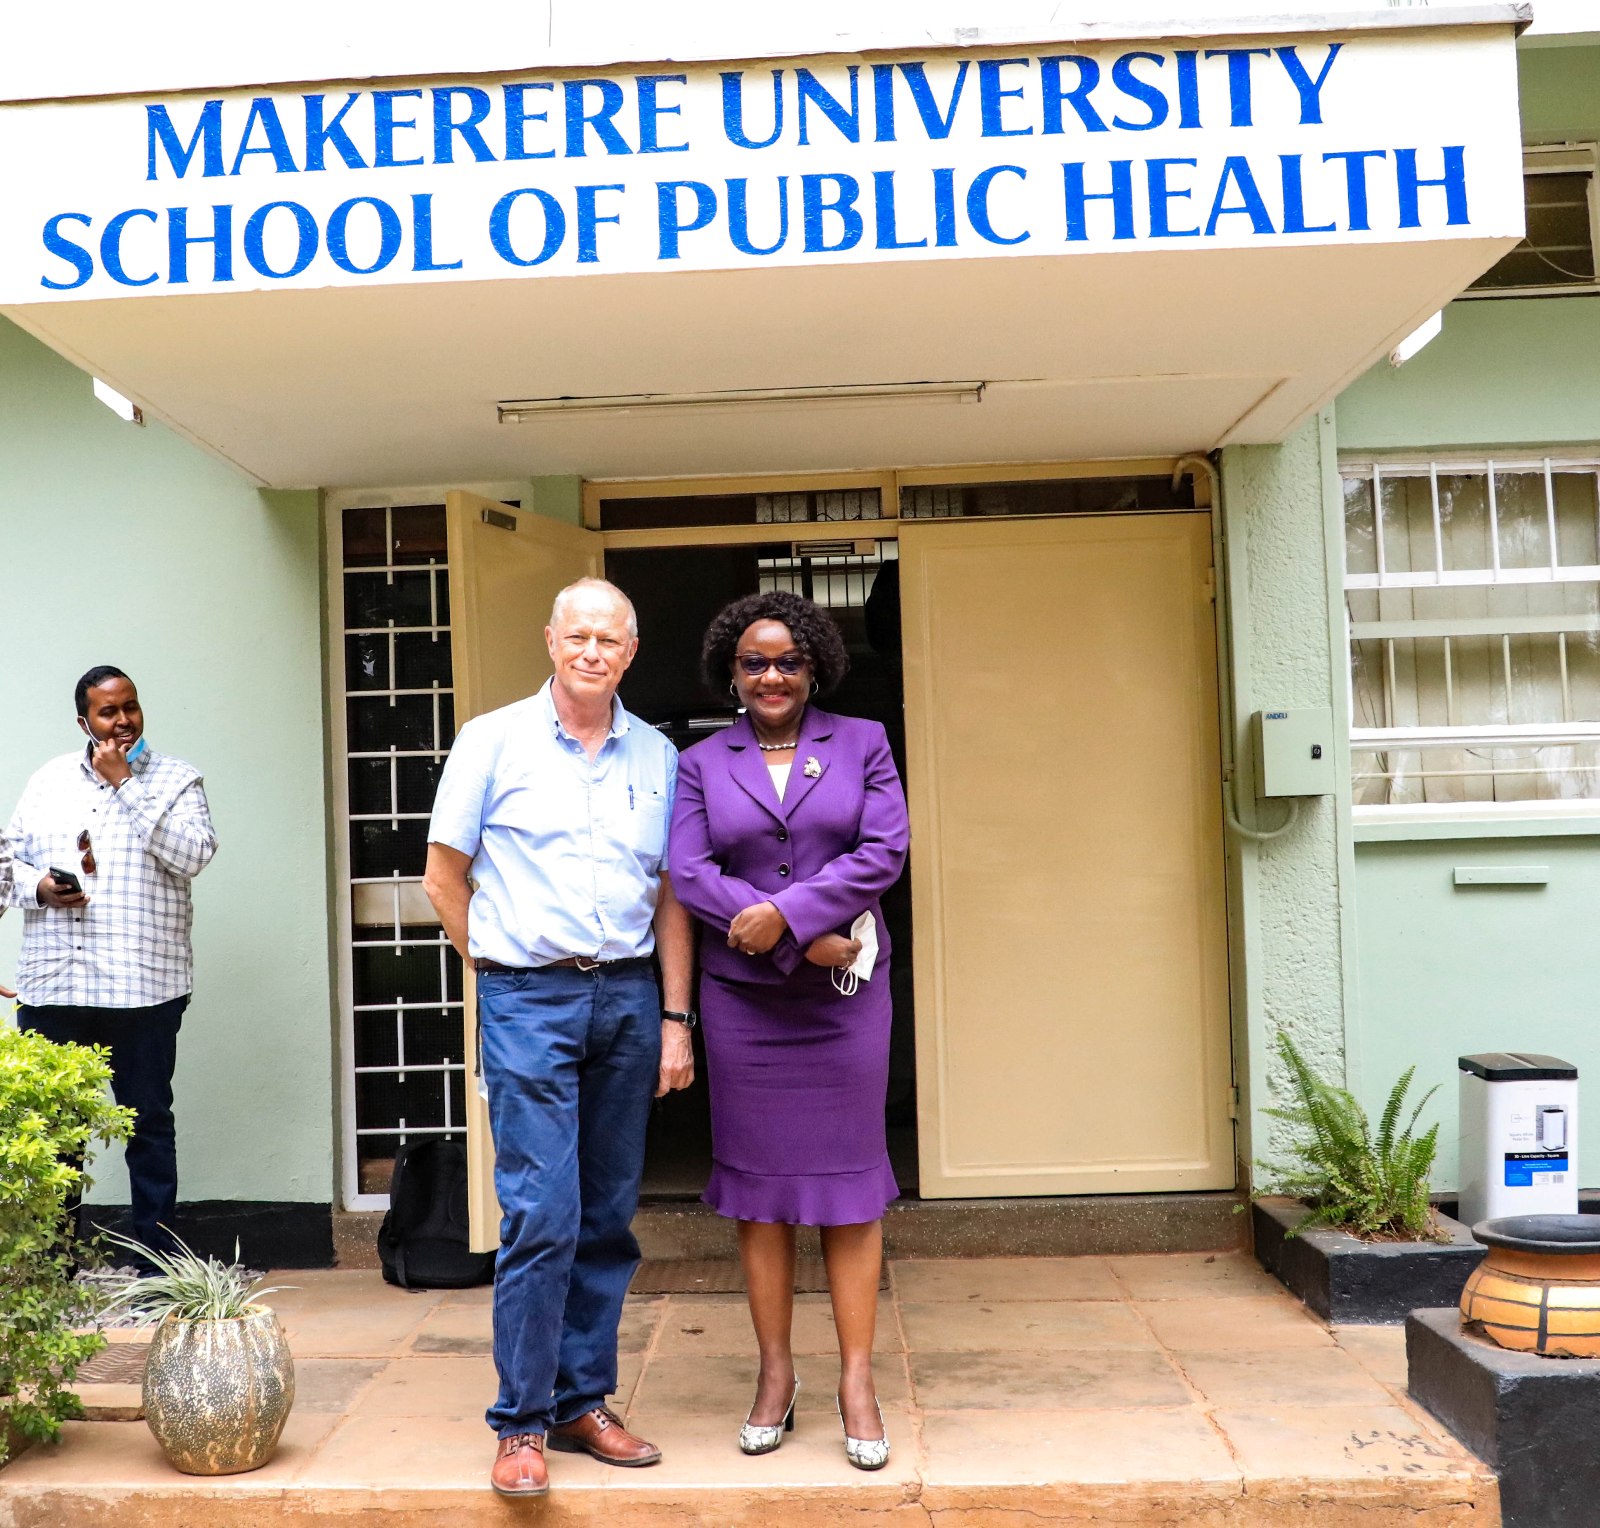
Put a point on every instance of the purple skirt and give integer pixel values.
(798, 1076)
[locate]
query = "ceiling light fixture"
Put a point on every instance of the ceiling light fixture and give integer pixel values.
(123, 408)
(525, 410)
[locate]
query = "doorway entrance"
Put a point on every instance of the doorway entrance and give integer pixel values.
(677, 591)
(1041, 650)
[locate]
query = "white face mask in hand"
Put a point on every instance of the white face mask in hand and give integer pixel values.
(865, 928)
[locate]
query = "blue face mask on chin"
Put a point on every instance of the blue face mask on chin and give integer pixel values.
(133, 753)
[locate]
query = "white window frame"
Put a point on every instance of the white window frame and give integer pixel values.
(1557, 159)
(334, 506)
(1377, 739)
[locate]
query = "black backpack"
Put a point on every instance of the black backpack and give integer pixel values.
(423, 1239)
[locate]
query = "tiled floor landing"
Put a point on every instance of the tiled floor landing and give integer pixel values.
(1170, 1391)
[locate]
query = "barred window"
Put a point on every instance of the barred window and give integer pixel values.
(1472, 591)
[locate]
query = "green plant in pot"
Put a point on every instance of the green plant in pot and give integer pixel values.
(1372, 1184)
(219, 1383)
(53, 1103)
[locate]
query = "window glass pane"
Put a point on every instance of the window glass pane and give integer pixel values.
(418, 533)
(369, 786)
(1464, 521)
(1407, 504)
(1067, 496)
(1558, 249)
(388, 848)
(402, 721)
(366, 661)
(1577, 519)
(433, 1035)
(384, 974)
(830, 504)
(419, 781)
(377, 1039)
(1524, 519)
(400, 599)
(365, 536)
(1360, 537)
(422, 660)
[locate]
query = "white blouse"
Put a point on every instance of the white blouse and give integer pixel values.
(780, 777)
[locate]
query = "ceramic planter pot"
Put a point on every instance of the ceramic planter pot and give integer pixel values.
(1538, 1290)
(217, 1393)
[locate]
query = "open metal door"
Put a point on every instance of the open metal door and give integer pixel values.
(506, 567)
(1064, 762)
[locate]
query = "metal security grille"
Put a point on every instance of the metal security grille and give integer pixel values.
(1473, 596)
(838, 576)
(406, 988)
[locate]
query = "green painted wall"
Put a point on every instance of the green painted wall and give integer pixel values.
(1557, 90)
(129, 546)
(1509, 371)
(1446, 971)
(1292, 897)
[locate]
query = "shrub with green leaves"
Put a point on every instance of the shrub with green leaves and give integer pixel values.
(1370, 1185)
(53, 1103)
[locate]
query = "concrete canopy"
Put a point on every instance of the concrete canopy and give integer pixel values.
(1087, 355)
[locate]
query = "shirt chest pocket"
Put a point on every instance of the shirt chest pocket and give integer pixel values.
(643, 825)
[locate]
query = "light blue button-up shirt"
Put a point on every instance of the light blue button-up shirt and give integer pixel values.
(567, 854)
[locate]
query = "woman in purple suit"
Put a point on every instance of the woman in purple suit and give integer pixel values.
(787, 829)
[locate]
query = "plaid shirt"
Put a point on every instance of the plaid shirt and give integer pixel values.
(129, 947)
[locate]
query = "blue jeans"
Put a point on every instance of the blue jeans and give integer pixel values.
(571, 1060)
(144, 1050)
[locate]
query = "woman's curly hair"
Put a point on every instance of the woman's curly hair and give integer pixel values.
(816, 637)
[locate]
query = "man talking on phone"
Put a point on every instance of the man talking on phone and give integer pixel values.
(105, 842)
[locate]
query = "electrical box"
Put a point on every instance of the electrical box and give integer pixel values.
(1294, 751)
(1519, 1136)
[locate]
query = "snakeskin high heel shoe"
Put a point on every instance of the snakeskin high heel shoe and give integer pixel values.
(762, 1440)
(865, 1453)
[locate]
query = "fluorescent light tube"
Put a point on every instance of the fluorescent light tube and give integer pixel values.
(521, 411)
(123, 408)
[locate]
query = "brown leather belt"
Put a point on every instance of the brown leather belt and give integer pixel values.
(567, 962)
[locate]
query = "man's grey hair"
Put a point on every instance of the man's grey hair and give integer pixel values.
(583, 585)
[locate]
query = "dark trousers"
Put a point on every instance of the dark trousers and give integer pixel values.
(144, 1049)
(571, 1058)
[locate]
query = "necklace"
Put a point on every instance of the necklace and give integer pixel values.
(778, 747)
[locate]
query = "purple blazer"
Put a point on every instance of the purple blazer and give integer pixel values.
(823, 855)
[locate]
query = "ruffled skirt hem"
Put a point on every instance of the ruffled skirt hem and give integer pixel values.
(800, 1199)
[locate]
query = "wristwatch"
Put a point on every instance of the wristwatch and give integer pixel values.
(689, 1020)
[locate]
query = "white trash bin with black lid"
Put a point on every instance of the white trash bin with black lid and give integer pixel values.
(1519, 1136)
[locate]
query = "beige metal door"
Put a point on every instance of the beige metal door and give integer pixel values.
(1063, 754)
(506, 567)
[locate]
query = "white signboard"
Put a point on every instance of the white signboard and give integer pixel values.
(1251, 144)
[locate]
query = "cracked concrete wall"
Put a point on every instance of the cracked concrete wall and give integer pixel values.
(1291, 923)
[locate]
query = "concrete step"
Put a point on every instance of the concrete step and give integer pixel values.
(865, 1503)
(1090, 1224)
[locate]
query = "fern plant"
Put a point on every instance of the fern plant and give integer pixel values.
(1372, 1185)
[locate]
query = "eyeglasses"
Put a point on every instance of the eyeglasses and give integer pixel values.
(788, 664)
(86, 849)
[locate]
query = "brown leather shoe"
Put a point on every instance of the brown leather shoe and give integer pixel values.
(519, 1466)
(601, 1435)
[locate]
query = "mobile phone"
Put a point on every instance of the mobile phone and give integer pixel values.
(68, 879)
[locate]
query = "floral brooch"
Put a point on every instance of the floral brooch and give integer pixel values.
(813, 770)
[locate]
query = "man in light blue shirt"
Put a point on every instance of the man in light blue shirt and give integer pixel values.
(547, 866)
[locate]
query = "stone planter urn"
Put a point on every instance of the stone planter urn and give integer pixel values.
(1538, 1290)
(217, 1393)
